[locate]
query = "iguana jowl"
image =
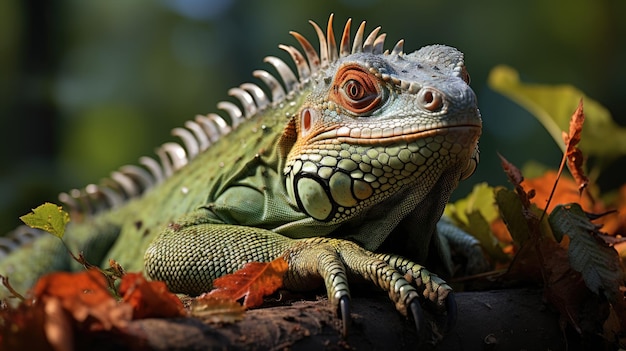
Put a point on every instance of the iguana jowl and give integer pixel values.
(356, 154)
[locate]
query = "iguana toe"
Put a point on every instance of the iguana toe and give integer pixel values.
(334, 261)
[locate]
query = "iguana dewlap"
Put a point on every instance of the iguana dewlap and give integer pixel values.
(332, 167)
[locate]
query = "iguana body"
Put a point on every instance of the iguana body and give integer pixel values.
(359, 155)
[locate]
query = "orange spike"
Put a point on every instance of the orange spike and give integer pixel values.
(345, 40)
(330, 35)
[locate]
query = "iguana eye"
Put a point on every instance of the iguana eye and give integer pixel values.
(356, 90)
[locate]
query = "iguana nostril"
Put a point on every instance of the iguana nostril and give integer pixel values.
(430, 99)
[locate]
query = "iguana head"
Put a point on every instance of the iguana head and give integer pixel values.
(378, 124)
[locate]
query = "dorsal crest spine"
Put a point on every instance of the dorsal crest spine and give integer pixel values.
(198, 134)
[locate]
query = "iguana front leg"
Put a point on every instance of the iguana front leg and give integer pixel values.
(192, 252)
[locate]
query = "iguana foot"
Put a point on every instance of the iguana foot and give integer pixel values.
(189, 254)
(465, 245)
(333, 260)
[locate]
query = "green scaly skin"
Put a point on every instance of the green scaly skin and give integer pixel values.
(358, 159)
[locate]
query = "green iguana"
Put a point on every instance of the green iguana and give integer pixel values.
(354, 156)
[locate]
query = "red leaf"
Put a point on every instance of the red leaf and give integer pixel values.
(254, 281)
(516, 178)
(149, 299)
(512, 172)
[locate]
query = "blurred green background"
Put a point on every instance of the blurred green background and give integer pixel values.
(87, 86)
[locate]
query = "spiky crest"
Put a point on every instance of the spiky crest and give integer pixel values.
(198, 134)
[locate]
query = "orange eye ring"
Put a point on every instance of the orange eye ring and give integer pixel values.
(356, 90)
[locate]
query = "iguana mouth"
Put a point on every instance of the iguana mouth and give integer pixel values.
(389, 135)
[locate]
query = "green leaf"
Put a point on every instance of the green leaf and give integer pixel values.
(48, 217)
(480, 199)
(597, 262)
(515, 218)
(481, 230)
(553, 106)
(511, 212)
(474, 213)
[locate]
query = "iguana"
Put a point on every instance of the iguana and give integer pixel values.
(353, 157)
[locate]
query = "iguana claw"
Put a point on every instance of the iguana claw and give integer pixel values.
(344, 310)
(452, 310)
(417, 313)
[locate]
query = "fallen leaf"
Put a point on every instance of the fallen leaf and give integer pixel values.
(252, 282)
(216, 310)
(85, 296)
(149, 299)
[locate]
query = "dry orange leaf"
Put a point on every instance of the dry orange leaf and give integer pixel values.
(567, 191)
(149, 299)
(499, 230)
(65, 304)
(573, 153)
(252, 282)
(88, 287)
(85, 296)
